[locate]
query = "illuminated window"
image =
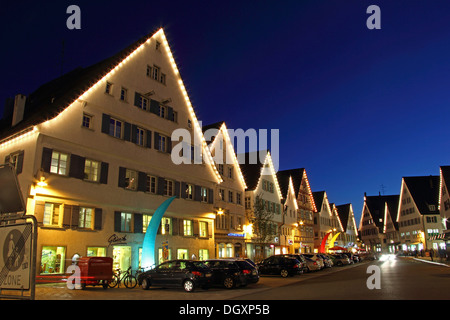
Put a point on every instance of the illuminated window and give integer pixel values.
(189, 191)
(166, 226)
(182, 254)
(125, 222)
(146, 218)
(203, 254)
(204, 194)
(96, 251)
(59, 163)
(203, 228)
(187, 227)
(53, 260)
(85, 219)
(91, 170)
(52, 214)
(130, 179)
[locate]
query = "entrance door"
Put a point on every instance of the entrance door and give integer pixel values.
(121, 257)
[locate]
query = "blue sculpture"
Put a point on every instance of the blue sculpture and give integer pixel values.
(148, 247)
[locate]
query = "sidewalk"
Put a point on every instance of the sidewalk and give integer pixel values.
(436, 260)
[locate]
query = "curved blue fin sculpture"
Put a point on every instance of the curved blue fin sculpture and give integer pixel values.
(148, 247)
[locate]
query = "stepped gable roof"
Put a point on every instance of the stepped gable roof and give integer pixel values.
(50, 99)
(376, 205)
(425, 192)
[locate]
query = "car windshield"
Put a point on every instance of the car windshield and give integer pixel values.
(199, 264)
(244, 264)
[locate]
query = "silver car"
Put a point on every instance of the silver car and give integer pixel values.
(312, 265)
(315, 257)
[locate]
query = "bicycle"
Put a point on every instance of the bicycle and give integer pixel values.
(128, 279)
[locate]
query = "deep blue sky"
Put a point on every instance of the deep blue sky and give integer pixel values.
(357, 108)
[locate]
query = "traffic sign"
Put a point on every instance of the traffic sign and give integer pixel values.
(15, 256)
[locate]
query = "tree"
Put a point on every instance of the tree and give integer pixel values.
(264, 229)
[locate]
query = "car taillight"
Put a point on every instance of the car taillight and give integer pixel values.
(315, 263)
(196, 273)
(246, 271)
(295, 266)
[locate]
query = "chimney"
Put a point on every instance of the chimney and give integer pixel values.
(19, 109)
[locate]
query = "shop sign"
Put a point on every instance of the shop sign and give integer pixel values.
(115, 240)
(241, 235)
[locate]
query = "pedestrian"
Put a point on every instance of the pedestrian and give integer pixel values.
(431, 254)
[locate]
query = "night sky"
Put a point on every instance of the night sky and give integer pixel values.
(358, 108)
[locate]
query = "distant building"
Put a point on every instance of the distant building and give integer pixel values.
(347, 218)
(323, 220)
(419, 219)
(444, 205)
(376, 226)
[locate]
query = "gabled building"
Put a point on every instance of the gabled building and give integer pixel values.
(444, 204)
(347, 218)
(323, 219)
(289, 233)
(262, 195)
(373, 225)
(391, 230)
(229, 195)
(418, 217)
(306, 207)
(93, 154)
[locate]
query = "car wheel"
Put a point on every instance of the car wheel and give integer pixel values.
(145, 284)
(228, 283)
(284, 273)
(188, 285)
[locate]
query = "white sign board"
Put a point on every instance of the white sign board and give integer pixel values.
(15, 256)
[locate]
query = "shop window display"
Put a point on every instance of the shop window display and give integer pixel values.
(53, 260)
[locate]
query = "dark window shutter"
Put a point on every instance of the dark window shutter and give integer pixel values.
(138, 223)
(137, 97)
(19, 166)
(133, 133)
(98, 219)
(154, 106)
(117, 220)
(46, 159)
(177, 189)
(170, 113)
(149, 139)
(169, 145)
(156, 137)
(161, 184)
(76, 166)
(106, 118)
(183, 193)
(67, 218)
(39, 211)
(104, 173)
(197, 193)
(127, 131)
(211, 196)
(210, 229)
(142, 181)
(196, 230)
(175, 230)
(7, 158)
(75, 216)
(122, 180)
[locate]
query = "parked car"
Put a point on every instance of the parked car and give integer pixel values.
(315, 257)
(340, 259)
(187, 274)
(232, 272)
(284, 266)
(326, 259)
(350, 256)
(312, 265)
(303, 267)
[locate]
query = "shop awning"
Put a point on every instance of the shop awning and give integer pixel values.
(337, 248)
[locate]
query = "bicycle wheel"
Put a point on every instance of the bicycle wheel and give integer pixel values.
(130, 281)
(114, 282)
